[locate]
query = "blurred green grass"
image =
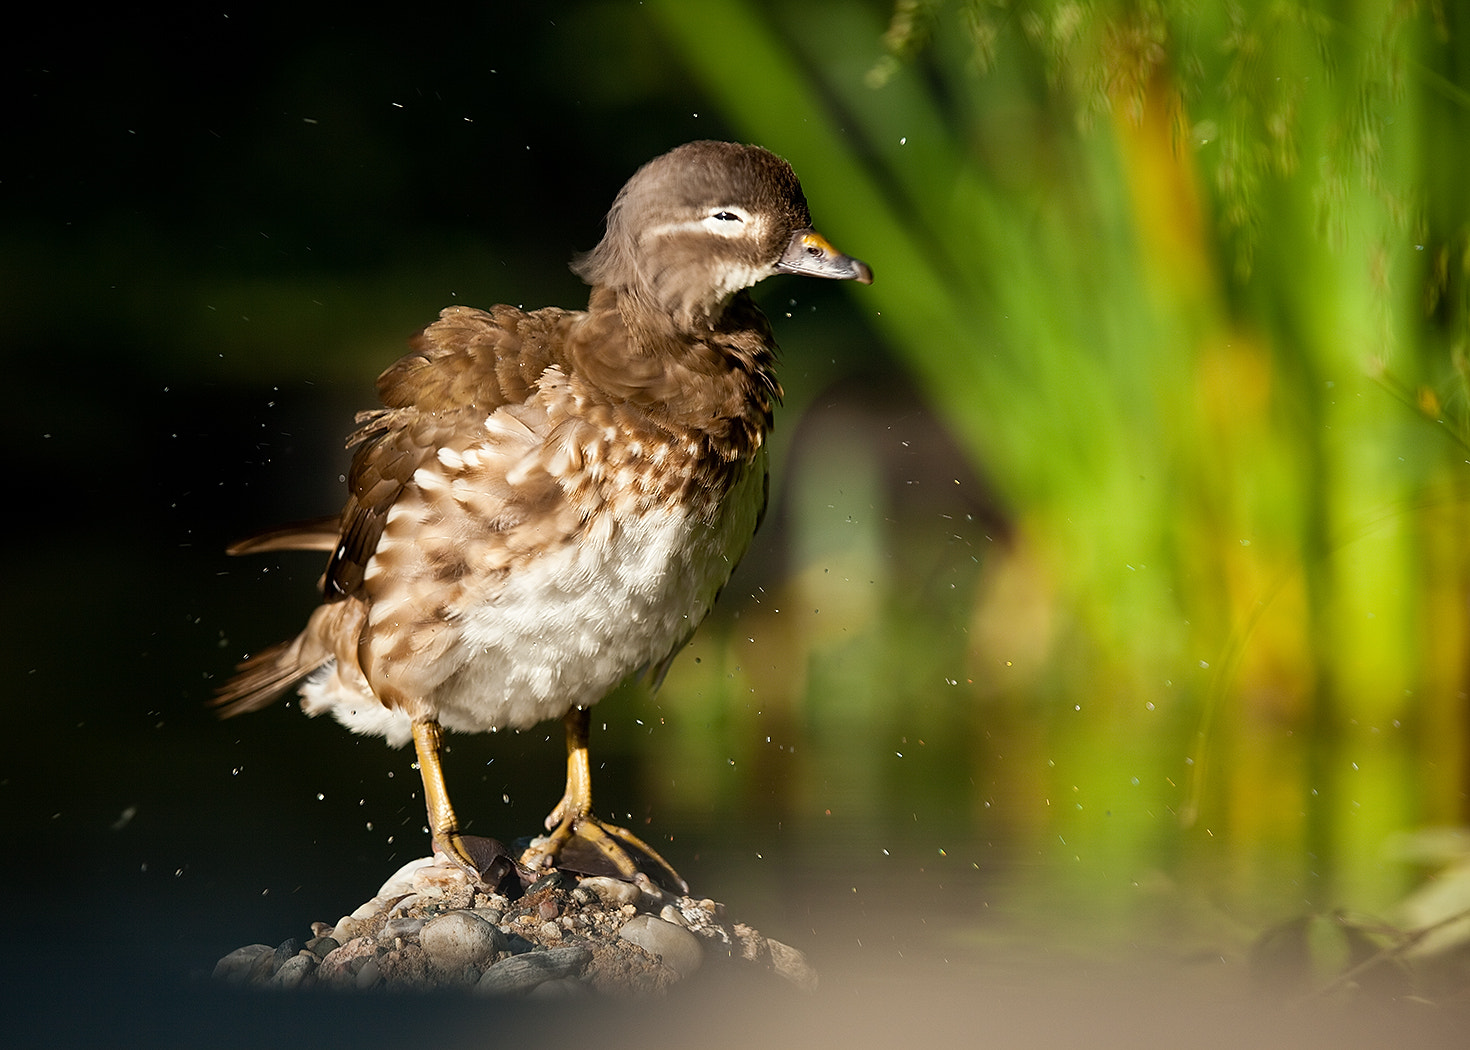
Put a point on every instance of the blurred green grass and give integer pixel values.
(1188, 285)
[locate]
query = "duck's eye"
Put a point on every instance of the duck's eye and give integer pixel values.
(725, 216)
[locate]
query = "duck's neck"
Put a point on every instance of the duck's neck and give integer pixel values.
(718, 376)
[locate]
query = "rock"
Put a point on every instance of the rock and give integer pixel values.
(322, 944)
(369, 974)
(429, 928)
(612, 892)
(296, 971)
(791, 964)
(679, 949)
(347, 928)
(442, 880)
(408, 969)
(521, 973)
(650, 895)
(558, 988)
(704, 917)
(403, 927)
(265, 966)
(516, 944)
(552, 880)
(404, 905)
(235, 968)
(287, 949)
(367, 909)
(458, 939)
(341, 965)
(400, 883)
(621, 969)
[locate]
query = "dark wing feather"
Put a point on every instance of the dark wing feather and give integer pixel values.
(269, 673)
(318, 534)
(260, 680)
(460, 369)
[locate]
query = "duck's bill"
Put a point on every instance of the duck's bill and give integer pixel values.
(812, 254)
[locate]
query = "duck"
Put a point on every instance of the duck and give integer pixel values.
(548, 502)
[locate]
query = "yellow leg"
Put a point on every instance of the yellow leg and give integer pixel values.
(572, 819)
(577, 800)
(428, 742)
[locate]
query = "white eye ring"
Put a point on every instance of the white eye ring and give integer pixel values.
(727, 220)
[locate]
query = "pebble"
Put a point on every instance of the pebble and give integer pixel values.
(400, 882)
(405, 904)
(517, 944)
(437, 880)
(558, 988)
(403, 926)
(552, 880)
(236, 967)
(323, 944)
(679, 949)
(367, 909)
(345, 930)
(789, 963)
(285, 951)
(427, 927)
(458, 939)
(296, 971)
(264, 966)
(369, 974)
(521, 973)
(612, 892)
(340, 966)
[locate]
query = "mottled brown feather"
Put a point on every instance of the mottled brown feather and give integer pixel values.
(262, 678)
(505, 434)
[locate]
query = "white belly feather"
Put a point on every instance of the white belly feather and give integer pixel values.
(570, 625)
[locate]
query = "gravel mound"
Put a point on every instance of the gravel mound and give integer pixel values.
(429, 928)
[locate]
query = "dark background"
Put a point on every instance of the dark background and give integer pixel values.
(215, 229)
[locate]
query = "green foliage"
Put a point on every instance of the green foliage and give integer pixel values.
(1189, 283)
